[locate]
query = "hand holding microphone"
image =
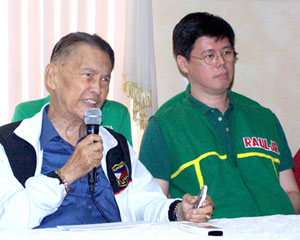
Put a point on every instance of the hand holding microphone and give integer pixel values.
(88, 152)
(92, 119)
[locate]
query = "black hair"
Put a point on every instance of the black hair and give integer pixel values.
(199, 24)
(69, 42)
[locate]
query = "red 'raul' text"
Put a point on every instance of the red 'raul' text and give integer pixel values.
(257, 142)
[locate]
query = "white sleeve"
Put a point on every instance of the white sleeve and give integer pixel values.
(150, 202)
(24, 208)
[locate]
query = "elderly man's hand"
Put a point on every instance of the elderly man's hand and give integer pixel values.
(188, 212)
(86, 156)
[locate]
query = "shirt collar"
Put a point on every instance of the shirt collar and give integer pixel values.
(231, 98)
(203, 107)
(48, 130)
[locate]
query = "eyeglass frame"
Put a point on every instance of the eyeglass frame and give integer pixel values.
(218, 55)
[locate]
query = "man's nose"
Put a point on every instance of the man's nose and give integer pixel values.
(220, 59)
(96, 86)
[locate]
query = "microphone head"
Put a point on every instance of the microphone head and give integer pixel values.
(92, 116)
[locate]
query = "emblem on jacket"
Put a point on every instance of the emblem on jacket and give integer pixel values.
(120, 171)
(257, 142)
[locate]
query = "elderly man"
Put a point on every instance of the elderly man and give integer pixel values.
(214, 136)
(45, 160)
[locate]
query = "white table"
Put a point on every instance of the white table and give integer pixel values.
(256, 228)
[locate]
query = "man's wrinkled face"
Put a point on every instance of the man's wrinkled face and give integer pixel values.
(82, 81)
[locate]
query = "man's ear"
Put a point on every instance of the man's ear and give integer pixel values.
(182, 63)
(51, 72)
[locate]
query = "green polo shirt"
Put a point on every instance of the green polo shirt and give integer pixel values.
(156, 156)
(190, 144)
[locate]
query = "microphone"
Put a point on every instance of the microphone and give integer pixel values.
(92, 119)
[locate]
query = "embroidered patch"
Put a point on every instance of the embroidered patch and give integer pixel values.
(257, 142)
(120, 171)
(118, 164)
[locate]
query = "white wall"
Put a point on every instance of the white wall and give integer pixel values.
(267, 40)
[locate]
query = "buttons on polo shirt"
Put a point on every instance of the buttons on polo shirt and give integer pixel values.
(227, 129)
(220, 119)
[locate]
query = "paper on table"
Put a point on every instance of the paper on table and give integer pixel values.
(196, 228)
(102, 226)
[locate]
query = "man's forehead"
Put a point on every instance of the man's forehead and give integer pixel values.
(87, 54)
(214, 38)
(206, 42)
(82, 48)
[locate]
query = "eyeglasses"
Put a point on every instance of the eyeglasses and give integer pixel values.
(228, 55)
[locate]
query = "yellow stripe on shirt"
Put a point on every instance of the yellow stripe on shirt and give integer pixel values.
(196, 164)
(258, 154)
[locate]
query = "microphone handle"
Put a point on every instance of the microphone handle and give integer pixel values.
(92, 177)
(92, 129)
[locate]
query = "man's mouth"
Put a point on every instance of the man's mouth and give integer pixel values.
(90, 101)
(222, 75)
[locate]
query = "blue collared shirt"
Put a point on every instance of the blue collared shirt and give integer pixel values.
(77, 207)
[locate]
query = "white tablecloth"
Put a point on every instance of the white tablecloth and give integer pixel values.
(255, 228)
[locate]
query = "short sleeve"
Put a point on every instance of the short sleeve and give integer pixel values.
(154, 151)
(287, 159)
(29, 109)
(125, 126)
(18, 114)
(116, 116)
